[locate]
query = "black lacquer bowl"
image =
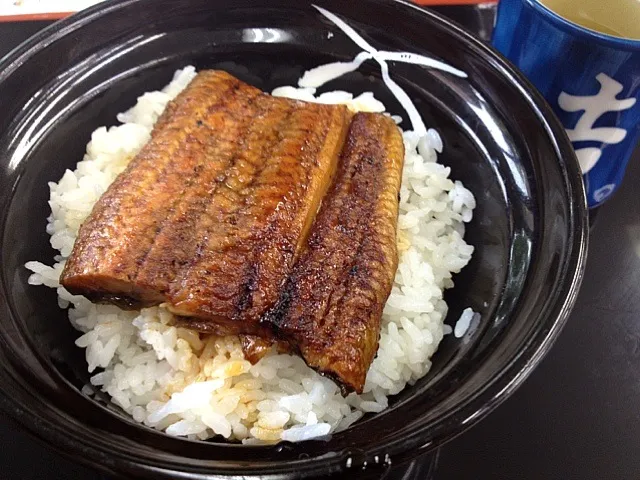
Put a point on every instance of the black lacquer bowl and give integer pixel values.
(501, 140)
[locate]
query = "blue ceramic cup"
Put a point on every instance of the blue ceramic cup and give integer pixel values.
(591, 80)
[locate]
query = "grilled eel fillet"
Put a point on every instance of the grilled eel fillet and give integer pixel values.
(210, 216)
(331, 305)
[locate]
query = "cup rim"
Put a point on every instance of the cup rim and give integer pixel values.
(574, 28)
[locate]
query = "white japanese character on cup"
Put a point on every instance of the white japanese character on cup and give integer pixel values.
(594, 106)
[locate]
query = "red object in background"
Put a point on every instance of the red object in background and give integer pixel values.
(27, 17)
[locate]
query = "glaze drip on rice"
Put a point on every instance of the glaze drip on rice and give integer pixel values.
(173, 379)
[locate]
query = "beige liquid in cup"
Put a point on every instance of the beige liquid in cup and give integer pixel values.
(619, 18)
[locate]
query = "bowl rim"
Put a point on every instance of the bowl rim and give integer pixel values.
(499, 387)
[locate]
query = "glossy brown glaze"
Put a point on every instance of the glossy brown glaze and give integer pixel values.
(331, 307)
(259, 218)
(254, 347)
(115, 239)
(211, 214)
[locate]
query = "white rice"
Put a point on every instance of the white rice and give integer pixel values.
(463, 323)
(174, 380)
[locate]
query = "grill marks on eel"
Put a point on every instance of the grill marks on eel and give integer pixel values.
(213, 142)
(247, 253)
(332, 304)
(216, 219)
(114, 241)
(212, 206)
(210, 215)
